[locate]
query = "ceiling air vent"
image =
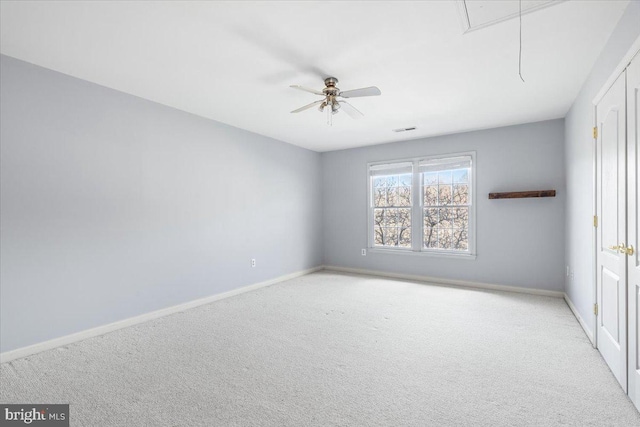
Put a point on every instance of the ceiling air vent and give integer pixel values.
(404, 129)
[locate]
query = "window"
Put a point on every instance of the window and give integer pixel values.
(446, 203)
(423, 205)
(392, 204)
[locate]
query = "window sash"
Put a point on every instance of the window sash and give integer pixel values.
(397, 229)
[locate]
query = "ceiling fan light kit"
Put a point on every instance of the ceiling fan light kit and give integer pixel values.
(331, 102)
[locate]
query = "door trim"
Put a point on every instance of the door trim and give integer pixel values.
(622, 65)
(594, 229)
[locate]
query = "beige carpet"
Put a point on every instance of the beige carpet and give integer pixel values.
(332, 349)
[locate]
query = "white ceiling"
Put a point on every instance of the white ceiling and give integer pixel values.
(234, 61)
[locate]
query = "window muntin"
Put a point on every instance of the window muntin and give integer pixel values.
(423, 205)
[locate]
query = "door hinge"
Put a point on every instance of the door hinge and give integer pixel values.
(595, 132)
(595, 220)
(595, 309)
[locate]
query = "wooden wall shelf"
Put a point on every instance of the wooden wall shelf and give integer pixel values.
(523, 194)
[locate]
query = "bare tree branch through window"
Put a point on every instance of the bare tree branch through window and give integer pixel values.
(446, 209)
(392, 210)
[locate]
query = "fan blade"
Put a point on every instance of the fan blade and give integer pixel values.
(306, 107)
(352, 111)
(365, 91)
(306, 89)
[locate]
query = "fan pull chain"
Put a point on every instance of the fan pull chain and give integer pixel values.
(520, 52)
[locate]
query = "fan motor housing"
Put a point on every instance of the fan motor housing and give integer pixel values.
(331, 88)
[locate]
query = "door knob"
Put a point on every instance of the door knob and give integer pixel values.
(623, 249)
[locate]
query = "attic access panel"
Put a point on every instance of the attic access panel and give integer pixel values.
(476, 14)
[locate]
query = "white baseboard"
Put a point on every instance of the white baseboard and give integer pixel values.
(581, 321)
(448, 282)
(101, 330)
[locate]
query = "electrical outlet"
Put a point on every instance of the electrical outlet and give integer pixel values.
(364, 252)
(253, 262)
(567, 271)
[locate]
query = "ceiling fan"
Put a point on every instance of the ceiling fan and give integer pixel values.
(331, 104)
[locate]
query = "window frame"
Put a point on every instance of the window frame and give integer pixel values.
(417, 210)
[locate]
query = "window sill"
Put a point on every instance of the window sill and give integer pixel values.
(422, 253)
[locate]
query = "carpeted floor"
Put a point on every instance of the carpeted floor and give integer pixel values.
(331, 349)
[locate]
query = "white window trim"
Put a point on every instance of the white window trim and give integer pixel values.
(416, 212)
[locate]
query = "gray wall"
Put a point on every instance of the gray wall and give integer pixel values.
(519, 242)
(113, 206)
(579, 165)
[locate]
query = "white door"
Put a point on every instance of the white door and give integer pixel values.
(610, 262)
(633, 226)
